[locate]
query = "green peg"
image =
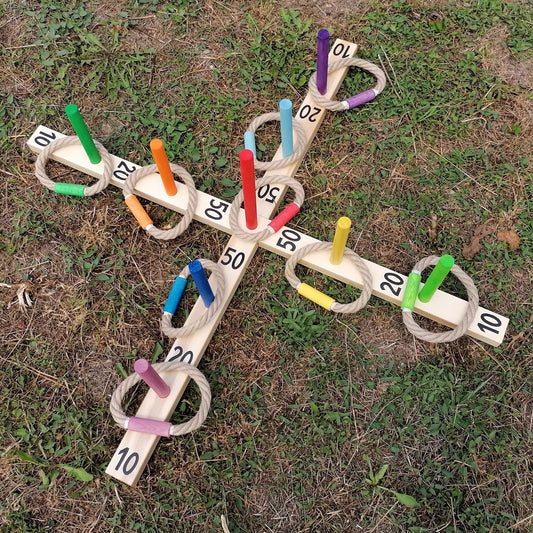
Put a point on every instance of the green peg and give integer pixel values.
(83, 133)
(72, 189)
(436, 277)
(411, 288)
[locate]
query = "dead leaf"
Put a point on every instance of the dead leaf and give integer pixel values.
(510, 237)
(474, 246)
(433, 230)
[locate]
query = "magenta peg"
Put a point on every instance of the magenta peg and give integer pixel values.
(148, 374)
(149, 426)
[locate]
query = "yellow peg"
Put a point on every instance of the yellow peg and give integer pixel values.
(315, 296)
(339, 241)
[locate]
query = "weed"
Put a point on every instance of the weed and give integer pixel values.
(374, 480)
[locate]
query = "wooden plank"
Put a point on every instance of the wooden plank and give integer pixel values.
(488, 326)
(234, 261)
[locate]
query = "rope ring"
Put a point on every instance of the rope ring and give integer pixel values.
(183, 224)
(461, 328)
(44, 156)
(218, 290)
(256, 236)
(358, 99)
(299, 144)
(175, 366)
(366, 290)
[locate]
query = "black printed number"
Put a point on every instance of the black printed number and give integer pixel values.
(287, 239)
(217, 209)
(181, 355)
(393, 282)
(341, 50)
(128, 461)
(233, 258)
(123, 171)
(309, 113)
(489, 323)
(45, 138)
(268, 193)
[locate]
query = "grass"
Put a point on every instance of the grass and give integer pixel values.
(318, 422)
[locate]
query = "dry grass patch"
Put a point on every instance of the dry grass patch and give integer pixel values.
(498, 59)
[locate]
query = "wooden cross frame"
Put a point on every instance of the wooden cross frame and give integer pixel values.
(135, 449)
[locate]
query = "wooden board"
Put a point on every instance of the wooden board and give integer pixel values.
(488, 326)
(135, 449)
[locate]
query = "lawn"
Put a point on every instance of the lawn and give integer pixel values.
(319, 422)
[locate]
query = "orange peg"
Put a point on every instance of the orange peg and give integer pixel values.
(138, 211)
(161, 160)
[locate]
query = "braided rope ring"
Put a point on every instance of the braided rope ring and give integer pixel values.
(175, 366)
(256, 236)
(299, 143)
(335, 105)
(42, 159)
(337, 307)
(460, 329)
(183, 224)
(217, 285)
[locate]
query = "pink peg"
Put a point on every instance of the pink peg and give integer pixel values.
(147, 425)
(151, 377)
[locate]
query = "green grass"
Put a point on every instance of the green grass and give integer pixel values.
(467, 422)
(318, 422)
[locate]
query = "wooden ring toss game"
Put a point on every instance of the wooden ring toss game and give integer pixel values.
(164, 393)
